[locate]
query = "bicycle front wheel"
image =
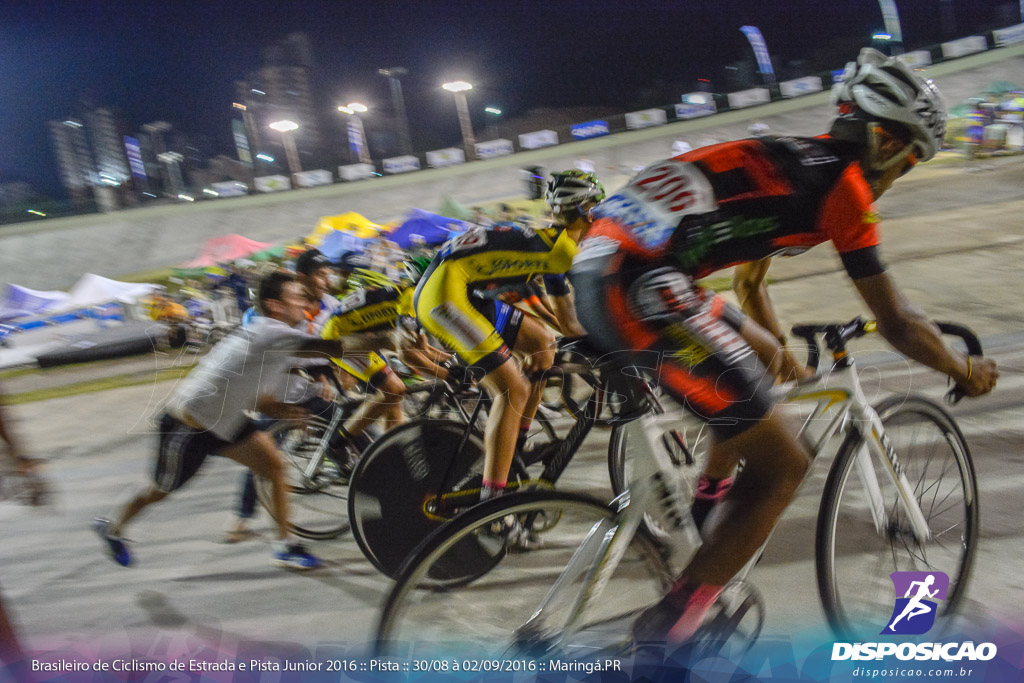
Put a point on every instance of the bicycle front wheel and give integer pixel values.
(854, 558)
(527, 603)
(317, 504)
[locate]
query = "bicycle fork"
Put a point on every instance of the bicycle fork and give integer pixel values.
(875, 443)
(315, 462)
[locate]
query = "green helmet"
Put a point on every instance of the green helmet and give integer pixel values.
(414, 268)
(570, 189)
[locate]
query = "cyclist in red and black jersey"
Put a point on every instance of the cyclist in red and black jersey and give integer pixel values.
(741, 203)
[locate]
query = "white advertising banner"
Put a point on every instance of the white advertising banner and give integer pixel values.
(273, 183)
(494, 148)
(313, 178)
(749, 98)
(916, 59)
(402, 164)
(230, 188)
(800, 86)
(445, 157)
(696, 104)
(646, 118)
(1009, 35)
(356, 171)
(964, 46)
(538, 138)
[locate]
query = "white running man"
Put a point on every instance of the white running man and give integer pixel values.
(915, 607)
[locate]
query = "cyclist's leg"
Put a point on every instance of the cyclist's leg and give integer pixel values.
(714, 482)
(775, 463)
(509, 391)
(392, 391)
(371, 369)
(536, 343)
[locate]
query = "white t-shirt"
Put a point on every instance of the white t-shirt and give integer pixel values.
(246, 364)
(300, 389)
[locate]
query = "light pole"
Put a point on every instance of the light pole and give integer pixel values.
(285, 128)
(393, 74)
(173, 161)
(459, 88)
(492, 131)
(356, 133)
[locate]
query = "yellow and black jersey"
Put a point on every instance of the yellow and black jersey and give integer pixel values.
(507, 254)
(365, 310)
(483, 331)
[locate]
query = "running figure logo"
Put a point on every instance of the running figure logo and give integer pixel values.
(915, 612)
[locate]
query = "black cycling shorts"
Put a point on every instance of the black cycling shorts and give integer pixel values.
(682, 335)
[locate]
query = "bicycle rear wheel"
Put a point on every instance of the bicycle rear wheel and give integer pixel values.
(317, 506)
(854, 560)
(494, 611)
(393, 494)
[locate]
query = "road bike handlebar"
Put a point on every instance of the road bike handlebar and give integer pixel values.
(835, 336)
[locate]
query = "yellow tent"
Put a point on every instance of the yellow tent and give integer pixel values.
(351, 222)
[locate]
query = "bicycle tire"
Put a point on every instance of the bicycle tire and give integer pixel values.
(484, 614)
(838, 586)
(318, 510)
(395, 481)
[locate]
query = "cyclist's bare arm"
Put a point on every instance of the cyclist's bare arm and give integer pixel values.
(911, 333)
(565, 312)
(425, 359)
(752, 293)
(543, 310)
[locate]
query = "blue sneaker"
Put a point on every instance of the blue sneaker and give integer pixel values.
(116, 546)
(294, 556)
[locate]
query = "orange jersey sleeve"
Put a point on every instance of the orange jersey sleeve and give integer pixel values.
(848, 216)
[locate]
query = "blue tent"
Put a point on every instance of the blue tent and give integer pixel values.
(423, 227)
(339, 242)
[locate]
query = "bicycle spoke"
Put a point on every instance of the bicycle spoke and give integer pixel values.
(934, 459)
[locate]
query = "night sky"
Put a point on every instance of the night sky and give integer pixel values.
(177, 61)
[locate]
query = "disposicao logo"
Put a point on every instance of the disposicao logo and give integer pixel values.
(916, 605)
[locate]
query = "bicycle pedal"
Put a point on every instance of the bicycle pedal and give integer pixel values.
(738, 600)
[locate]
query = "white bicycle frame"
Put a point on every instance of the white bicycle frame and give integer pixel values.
(837, 397)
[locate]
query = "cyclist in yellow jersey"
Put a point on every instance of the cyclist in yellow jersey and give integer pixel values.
(485, 332)
(366, 319)
(414, 349)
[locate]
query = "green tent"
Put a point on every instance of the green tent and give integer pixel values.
(453, 209)
(1001, 87)
(271, 253)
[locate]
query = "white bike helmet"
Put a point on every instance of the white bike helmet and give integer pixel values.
(570, 189)
(884, 89)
